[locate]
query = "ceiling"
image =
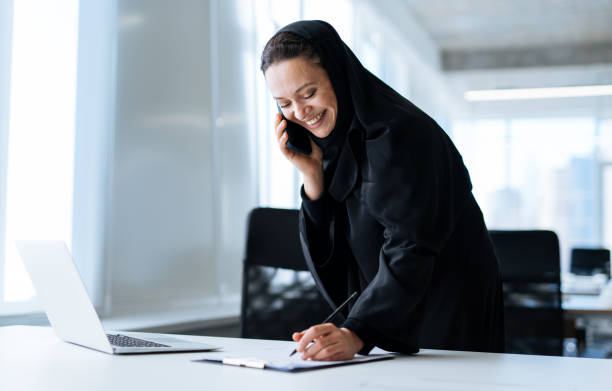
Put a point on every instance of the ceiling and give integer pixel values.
(477, 34)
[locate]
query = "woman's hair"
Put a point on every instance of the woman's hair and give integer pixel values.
(284, 46)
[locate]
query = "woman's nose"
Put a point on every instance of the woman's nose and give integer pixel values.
(301, 112)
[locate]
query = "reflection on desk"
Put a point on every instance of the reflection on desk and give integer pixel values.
(588, 319)
(583, 285)
(32, 358)
(585, 305)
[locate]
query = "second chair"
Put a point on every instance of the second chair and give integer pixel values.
(531, 275)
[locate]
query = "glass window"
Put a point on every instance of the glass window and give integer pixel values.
(607, 206)
(484, 141)
(535, 173)
(41, 134)
(605, 140)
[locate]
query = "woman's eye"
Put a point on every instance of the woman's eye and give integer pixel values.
(311, 94)
(283, 105)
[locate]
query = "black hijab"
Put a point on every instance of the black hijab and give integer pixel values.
(331, 51)
(365, 103)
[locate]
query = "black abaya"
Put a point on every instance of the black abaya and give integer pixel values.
(397, 221)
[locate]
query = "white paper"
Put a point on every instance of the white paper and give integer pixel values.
(278, 358)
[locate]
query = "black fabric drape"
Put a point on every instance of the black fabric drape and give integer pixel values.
(397, 222)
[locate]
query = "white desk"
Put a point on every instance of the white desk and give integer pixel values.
(32, 358)
(577, 305)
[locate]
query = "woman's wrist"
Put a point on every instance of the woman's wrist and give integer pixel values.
(354, 339)
(313, 186)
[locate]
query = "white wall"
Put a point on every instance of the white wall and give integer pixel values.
(181, 182)
(6, 28)
(234, 70)
(93, 144)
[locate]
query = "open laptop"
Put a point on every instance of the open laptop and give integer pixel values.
(70, 311)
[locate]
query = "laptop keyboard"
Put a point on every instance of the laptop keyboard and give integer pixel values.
(129, 342)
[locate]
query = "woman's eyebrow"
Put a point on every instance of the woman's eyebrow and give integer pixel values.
(303, 86)
(298, 90)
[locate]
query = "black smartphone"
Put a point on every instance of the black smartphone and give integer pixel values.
(298, 137)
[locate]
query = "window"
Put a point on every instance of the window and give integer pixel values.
(40, 144)
(537, 173)
(605, 188)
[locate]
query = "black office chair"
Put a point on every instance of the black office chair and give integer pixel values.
(590, 261)
(531, 275)
(279, 295)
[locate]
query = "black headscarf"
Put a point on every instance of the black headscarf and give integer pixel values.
(365, 103)
(331, 51)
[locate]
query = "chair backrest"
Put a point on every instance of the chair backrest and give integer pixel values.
(531, 275)
(589, 261)
(279, 295)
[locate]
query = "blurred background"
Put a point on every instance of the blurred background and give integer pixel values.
(140, 132)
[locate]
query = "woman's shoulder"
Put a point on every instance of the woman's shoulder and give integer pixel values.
(400, 139)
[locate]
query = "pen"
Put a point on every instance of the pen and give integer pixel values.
(340, 307)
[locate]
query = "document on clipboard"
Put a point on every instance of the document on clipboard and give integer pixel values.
(276, 359)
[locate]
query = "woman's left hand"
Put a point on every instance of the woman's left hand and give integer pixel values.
(330, 343)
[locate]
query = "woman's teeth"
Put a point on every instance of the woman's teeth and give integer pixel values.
(315, 119)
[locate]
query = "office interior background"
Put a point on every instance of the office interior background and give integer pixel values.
(140, 132)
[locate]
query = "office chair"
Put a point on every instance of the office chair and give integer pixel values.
(590, 261)
(531, 276)
(279, 295)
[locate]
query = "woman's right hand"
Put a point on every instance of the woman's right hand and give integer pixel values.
(311, 166)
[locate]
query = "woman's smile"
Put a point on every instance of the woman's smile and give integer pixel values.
(317, 120)
(304, 93)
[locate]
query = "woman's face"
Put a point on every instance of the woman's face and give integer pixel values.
(304, 93)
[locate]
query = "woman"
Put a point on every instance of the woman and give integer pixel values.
(387, 208)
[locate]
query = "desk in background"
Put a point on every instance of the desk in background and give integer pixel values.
(576, 305)
(589, 321)
(32, 358)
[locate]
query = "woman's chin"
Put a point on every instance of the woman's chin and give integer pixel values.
(322, 131)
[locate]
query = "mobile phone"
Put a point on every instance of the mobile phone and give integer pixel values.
(298, 137)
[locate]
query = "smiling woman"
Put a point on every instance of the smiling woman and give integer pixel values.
(387, 208)
(300, 84)
(304, 93)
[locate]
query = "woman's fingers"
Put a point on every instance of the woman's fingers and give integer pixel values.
(311, 334)
(279, 125)
(306, 164)
(319, 334)
(282, 137)
(327, 342)
(297, 335)
(289, 153)
(332, 352)
(321, 348)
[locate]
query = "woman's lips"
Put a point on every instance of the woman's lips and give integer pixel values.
(318, 120)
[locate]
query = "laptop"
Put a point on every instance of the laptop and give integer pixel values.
(70, 311)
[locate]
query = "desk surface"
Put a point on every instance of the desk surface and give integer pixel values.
(32, 358)
(585, 305)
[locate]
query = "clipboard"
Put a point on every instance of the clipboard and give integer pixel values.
(286, 364)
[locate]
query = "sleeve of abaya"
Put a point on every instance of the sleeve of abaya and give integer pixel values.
(326, 252)
(415, 188)
(317, 216)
